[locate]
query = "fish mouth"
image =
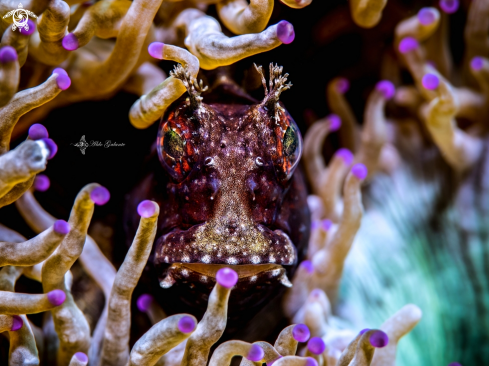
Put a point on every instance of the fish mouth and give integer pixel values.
(257, 254)
(248, 274)
(203, 244)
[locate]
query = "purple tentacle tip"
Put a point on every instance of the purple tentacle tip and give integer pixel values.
(360, 171)
(316, 293)
(301, 333)
(285, 32)
(186, 324)
(346, 155)
(477, 63)
(41, 183)
(311, 362)
(100, 195)
(56, 297)
(427, 16)
(37, 132)
(52, 147)
(408, 44)
(8, 54)
(379, 339)
(143, 302)
(449, 6)
(342, 85)
(155, 50)
(326, 224)
(308, 266)
(63, 81)
(226, 277)
(316, 345)
(146, 209)
(430, 81)
(454, 364)
(334, 122)
(256, 353)
(315, 224)
(70, 42)
(59, 71)
(386, 88)
(32, 28)
(364, 330)
(17, 323)
(61, 227)
(81, 357)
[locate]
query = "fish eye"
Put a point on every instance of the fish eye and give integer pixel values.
(291, 148)
(174, 151)
(173, 144)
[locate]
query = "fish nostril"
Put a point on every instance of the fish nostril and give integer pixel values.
(232, 226)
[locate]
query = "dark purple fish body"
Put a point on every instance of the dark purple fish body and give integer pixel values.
(230, 196)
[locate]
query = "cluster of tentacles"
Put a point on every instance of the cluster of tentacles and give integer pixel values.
(89, 51)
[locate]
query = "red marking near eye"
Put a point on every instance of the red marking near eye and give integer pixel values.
(176, 127)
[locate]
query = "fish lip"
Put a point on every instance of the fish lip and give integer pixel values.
(243, 270)
(248, 274)
(179, 246)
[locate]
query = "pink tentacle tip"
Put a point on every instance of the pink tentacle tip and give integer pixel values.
(379, 339)
(316, 345)
(334, 122)
(315, 224)
(449, 6)
(61, 227)
(311, 362)
(326, 224)
(255, 353)
(477, 63)
(342, 85)
(346, 155)
(70, 42)
(100, 195)
(59, 71)
(8, 54)
(408, 44)
(427, 16)
(155, 50)
(430, 81)
(30, 30)
(80, 356)
(144, 301)
(301, 333)
(56, 297)
(308, 266)
(186, 324)
(360, 171)
(285, 32)
(17, 323)
(386, 88)
(52, 147)
(146, 209)
(37, 132)
(63, 81)
(226, 277)
(316, 293)
(41, 183)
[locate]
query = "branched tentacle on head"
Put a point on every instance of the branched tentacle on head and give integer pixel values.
(276, 85)
(194, 88)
